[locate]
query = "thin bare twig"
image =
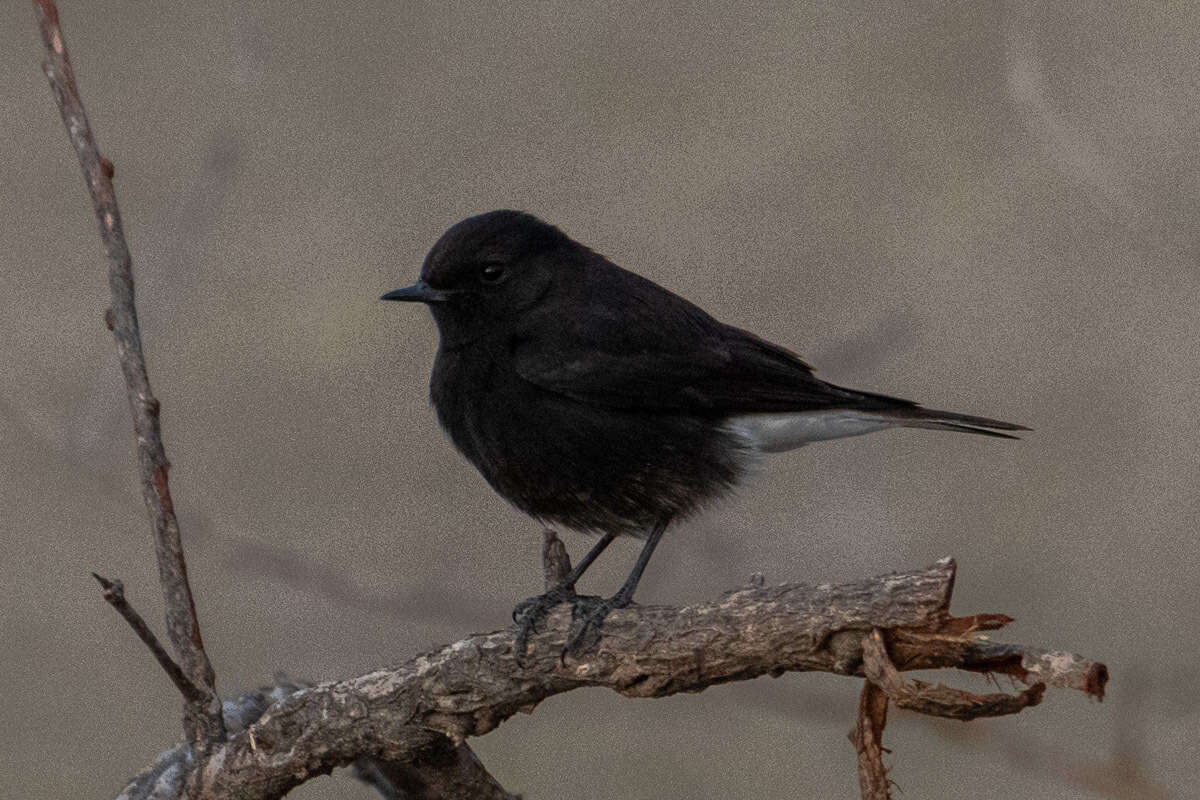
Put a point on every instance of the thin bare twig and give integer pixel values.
(884, 683)
(114, 595)
(202, 715)
(867, 736)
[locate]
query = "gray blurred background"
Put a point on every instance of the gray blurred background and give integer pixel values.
(990, 208)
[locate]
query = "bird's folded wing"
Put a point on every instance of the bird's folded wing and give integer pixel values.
(701, 369)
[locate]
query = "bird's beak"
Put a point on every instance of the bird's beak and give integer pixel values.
(419, 292)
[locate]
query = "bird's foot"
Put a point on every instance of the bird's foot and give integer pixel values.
(587, 618)
(530, 613)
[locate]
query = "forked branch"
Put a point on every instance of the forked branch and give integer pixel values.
(468, 688)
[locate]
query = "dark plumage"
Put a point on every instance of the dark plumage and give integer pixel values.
(591, 397)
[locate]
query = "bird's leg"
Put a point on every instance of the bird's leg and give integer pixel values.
(589, 613)
(585, 562)
(529, 613)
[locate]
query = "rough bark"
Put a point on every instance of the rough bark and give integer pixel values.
(468, 688)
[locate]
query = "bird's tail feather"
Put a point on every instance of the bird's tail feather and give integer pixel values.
(917, 417)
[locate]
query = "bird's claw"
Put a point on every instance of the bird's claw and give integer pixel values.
(529, 613)
(587, 618)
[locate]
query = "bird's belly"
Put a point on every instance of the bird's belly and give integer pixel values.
(777, 432)
(587, 468)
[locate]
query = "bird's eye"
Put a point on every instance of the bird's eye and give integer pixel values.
(492, 273)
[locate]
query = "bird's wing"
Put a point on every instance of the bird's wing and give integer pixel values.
(741, 374)
(633, 345)
(730, 375)
(652, 350)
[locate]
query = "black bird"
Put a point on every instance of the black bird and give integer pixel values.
(591, 397)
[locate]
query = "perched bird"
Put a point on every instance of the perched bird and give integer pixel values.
(590, 397)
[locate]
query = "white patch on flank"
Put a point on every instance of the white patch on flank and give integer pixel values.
(775, 433)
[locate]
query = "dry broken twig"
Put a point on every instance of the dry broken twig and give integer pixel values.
(934, 699)
(867, 738)
(884, 683)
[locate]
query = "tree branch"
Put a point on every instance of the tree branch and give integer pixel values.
(444, 771)
(202, 713)
(468, 688)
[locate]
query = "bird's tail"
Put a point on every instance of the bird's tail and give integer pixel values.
(917, 417)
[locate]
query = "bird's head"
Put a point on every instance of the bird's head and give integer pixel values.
(486, 271)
